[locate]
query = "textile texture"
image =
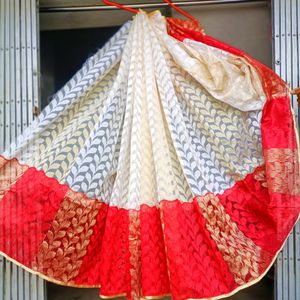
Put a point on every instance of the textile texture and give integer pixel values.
(168, 165)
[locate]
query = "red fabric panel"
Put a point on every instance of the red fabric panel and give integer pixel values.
(155, 279)
(26, 211)
(277, 125)
(249, 205)
(114, 274)
(196, 267)
(90, 270)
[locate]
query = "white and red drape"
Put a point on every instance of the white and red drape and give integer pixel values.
(168, 165)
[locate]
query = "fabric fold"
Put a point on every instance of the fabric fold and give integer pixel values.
(168, 165)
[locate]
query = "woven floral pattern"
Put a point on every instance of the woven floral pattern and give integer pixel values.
(168, 165)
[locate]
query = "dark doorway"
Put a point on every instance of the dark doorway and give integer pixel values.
(63, 52)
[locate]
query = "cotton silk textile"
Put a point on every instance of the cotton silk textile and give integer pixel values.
(168, 165)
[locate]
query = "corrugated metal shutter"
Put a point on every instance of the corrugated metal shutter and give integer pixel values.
(286, 38)
(18, 97)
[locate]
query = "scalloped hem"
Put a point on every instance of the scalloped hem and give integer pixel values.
(161, 250)
(238, 289)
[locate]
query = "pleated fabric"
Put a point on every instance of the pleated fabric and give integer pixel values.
(168, 165)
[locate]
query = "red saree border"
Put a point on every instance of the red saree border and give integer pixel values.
(173, 240)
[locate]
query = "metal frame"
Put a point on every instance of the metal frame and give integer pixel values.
(19, 93)
(145, 5)
(286, 50)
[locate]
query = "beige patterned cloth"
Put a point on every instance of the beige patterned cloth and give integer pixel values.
(150, 118)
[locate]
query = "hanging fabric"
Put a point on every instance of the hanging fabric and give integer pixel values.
(168, 165)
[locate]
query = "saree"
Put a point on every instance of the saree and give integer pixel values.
(168, 165)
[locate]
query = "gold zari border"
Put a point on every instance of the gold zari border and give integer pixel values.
(152, 297)
(282, 170)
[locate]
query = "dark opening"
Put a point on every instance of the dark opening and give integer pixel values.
(63, 52)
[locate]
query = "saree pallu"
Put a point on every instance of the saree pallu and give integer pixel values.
(168, 165)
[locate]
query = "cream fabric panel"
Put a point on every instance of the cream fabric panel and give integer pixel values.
(19, 94)
(81, 139)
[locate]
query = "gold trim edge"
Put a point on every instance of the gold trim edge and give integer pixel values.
(158, 296)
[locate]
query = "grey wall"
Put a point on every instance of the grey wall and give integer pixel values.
(19, 94)
(245, 26)
(286, 37)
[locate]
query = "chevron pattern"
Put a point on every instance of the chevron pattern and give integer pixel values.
(135, 126)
